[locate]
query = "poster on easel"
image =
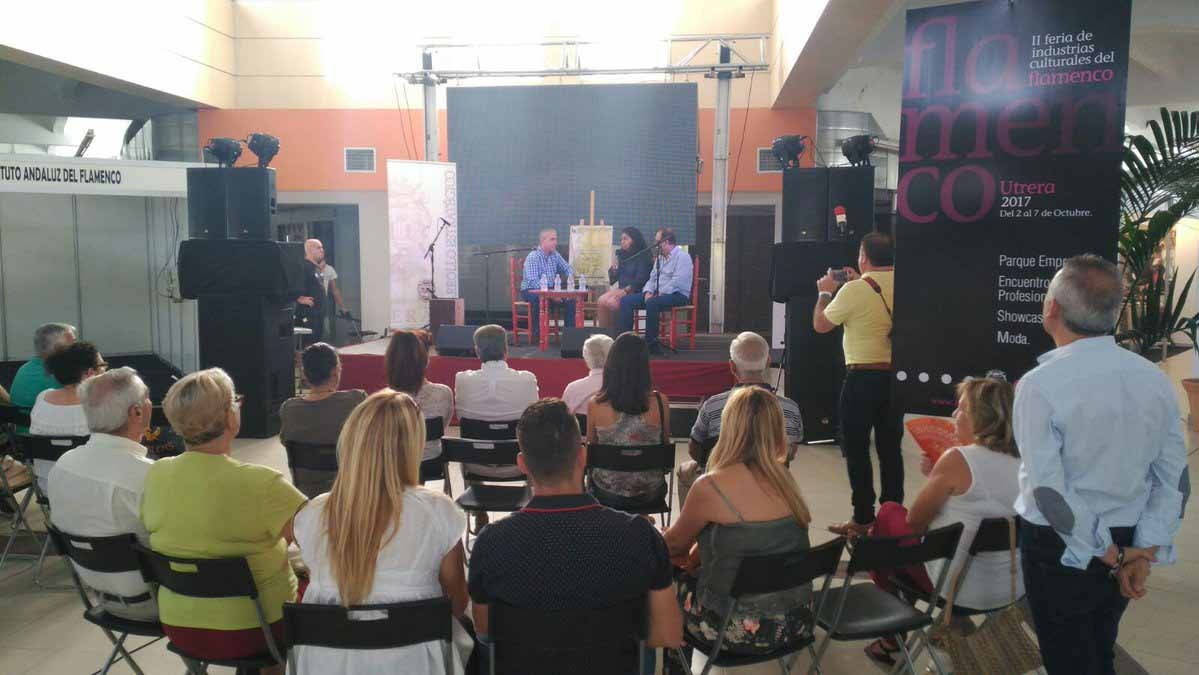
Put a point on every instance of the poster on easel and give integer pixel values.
(591, 252)
(419, 196)
(1009, 162)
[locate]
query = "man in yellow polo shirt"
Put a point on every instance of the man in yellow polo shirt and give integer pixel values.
(863, 306)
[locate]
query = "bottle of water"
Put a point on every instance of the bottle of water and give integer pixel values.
(544, 286)
(557, 283)
(582, 283)
(570, 283)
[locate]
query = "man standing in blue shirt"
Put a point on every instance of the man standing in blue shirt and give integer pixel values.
(669, 286)
(1103, 477)
(545, 262)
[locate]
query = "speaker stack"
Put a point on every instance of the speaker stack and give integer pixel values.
(245, 284)
(815, 239)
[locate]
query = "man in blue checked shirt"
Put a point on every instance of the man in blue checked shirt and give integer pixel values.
(669, 286)
(545, 261)
(1103, 475)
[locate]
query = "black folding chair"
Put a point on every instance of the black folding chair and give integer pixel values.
(312, 457)
(47, 449)
(487, 431)
(577, 641)
(434, 469)
(705, 451)
(109, 555)
(992, 537)
(775, 573)
(369, 627)
(582, 420)
(636, 458)
(210, 578)
(12, 417)
(866, 612)
(481, 497)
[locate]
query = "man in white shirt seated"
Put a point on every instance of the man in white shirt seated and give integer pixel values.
(96, 489)
(579, 392)
(493, 393)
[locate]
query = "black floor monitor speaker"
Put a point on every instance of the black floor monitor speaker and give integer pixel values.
(224, 203)
(573, 339)
(220, 267)
(250, 337)
(815, 362)
(456, 340)
(811, 198)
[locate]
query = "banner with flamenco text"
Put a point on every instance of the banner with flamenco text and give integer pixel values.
(1010, 146)
(419, 196)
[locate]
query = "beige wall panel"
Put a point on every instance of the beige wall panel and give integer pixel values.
(281, 58)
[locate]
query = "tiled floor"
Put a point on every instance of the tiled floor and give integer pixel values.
(42, 631)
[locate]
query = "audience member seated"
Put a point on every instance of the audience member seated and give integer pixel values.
(96, 489)
(379, 537)
(968, 484)
(627, 411)
(32, 377)
(406, 360)
(205, 504)
(57, 411)
(579, 393)
(317, 416)
(565, 550)
(747, 504)
(749, 359)
(493, 393)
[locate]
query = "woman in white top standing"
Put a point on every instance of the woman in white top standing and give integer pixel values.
(57, 412)
(969, 483)
(379, 537)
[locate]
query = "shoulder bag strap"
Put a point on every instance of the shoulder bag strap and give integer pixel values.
(878, 289)
(661, 417)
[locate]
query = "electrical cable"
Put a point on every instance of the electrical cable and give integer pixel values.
(740, 146)
(403, 115)
(407, 107)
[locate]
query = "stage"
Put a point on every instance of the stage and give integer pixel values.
(690, 375)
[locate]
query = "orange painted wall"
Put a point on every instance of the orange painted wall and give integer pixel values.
(312, 143)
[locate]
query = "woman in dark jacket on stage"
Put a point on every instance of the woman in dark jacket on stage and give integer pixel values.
(627, 275)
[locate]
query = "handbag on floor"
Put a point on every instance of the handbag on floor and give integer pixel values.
(1001, 644)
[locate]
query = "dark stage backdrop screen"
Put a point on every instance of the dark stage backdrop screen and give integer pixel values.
(528, 158)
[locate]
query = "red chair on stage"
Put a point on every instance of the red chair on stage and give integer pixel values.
(681, 317)
(522, 313)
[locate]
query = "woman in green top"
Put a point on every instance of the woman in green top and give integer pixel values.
(747, 504)
(205, 504)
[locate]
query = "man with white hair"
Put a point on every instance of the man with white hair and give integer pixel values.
(578, 393)
(749, 359)
(96, 489)
(493, 393)
(544, 262)
(32, 377)
(1103, 475)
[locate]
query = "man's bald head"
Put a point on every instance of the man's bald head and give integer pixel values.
(314, 250)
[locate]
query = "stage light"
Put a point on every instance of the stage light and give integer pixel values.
(265, 146)
(225, 150)
(787, 150)
(857, 149)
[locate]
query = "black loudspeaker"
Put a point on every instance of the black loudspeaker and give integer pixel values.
(218, 267)
(811, 198)
(805, 204)
(573, 339)
(456, 340)
(851, 188)
(815, 362)
(224, 203)
(250, 337)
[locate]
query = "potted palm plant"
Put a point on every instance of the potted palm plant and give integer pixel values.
(1159, 186)
(1190, 385)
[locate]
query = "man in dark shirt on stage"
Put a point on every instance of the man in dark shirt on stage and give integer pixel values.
(565, 550)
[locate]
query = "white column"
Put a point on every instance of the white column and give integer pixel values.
(720, 197)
